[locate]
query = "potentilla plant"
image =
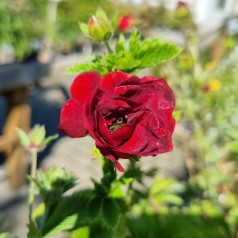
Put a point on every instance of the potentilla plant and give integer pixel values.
(128, 117)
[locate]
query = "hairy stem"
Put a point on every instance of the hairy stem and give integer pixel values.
(108, 47)
(32, 186)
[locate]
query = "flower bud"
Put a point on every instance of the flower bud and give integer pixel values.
(126, 22)
(99, 29)
(182, 10)
(36, 139)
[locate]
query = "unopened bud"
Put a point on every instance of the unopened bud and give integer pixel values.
(99, 29)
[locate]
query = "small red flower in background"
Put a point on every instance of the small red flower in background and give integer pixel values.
(181, 4)
(126, 22)
(213, 85)
(206, 87)
(126, 115)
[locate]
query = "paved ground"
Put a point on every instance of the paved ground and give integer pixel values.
(73, 154)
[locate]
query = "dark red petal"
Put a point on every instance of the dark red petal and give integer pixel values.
(84, 85)
(150, 79)
(136, 142)
(117, 164)
(71, 119)
(126, 90)
(109, 156)
(113, 79)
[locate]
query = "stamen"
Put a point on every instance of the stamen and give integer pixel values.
(117, 124)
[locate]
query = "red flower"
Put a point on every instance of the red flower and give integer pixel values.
(125, 23)
(126, 115)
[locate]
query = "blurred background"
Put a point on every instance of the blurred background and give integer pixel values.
(195, 187)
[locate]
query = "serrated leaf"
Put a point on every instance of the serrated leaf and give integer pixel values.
(67, 224)
(121, 203)
(110, 212)
(153, 52)
(71, 207)
(24, 139)
(54, 183)
(78, 68)
(99, 231)
(95, 208)
(126, 62)
(91, 66)
(119, 47)
(134, 41)
(122, 39)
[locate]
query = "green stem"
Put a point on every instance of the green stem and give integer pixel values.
(32, 186)
(108, 47)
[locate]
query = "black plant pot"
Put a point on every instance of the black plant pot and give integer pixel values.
(16, 74)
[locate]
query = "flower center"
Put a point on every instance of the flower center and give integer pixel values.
(117, 124)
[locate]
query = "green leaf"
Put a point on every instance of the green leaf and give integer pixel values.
(122, 204)
(171, 199)
(95, 207)
(129, 57)
(50, 138)
(101, 68)
(33, 230)
(153, 52)
(96, 153)
(67, 224)
(233, 145)
(83, 232)
(176, 115)
(119, 47)
(117, 191)
(161, 185)
(126, 62)
(54, 183)
(70, 214)
(39, 211)
(99, 231)
(84, 28)
(134, 42)
(24, 139)
(110, 212)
